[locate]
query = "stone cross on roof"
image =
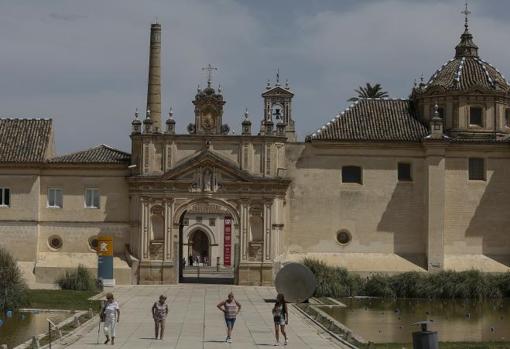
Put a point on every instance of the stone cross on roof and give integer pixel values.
(466, 13)
(209, 69)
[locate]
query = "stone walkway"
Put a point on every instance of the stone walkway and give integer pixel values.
(194, 321)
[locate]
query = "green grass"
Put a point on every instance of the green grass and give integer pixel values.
(449, 345)
(63, 299)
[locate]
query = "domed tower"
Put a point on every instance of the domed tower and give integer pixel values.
(473, 97)
(208, 109)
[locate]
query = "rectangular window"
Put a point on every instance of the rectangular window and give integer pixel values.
(185, 221)
(352, 174)
(92, 198)
(475, 116)
(212, 222)
(55, 198)
(507, 117)
(5, 197)
(404, 172)
(476, 169)
(198, 219)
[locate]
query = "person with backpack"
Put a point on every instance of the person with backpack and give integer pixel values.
(159, 314)
(280, 318)
(230, 308)
(110, 314)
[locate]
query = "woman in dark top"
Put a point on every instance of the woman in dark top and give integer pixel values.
(281, 318)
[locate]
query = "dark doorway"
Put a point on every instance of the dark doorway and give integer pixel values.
(199, 244)
(198, 248)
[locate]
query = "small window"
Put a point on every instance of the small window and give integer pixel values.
(93, 243)
(404, 172)
(55, 198)
(343, 237)
(92, 198)
(475, 116)
(351, 174)
(507, 117)
(476, 169)
(185, 221)
(198, 219)
(5, 197)
(212, 222)
(55, 242)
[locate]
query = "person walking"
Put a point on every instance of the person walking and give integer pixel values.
(111, 316)
(281, 318)
(230, 307)
(159, 314)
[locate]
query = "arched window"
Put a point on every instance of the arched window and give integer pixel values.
(440, 111)
(475, 116)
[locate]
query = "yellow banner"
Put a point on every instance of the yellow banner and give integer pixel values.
(104, 246)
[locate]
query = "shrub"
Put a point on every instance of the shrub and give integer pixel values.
(408, 285)
(502, 283)
(472, 284)
(331, 281)
(378, 285)
(13, 290)
(78, 280)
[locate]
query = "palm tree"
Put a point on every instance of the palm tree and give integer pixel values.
(369, 91)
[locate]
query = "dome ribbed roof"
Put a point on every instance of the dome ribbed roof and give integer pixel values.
(467, 71)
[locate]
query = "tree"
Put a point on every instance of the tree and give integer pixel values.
(369, 91)
(13, 290)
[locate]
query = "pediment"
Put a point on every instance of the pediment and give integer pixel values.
(277, 91)
(209, 165)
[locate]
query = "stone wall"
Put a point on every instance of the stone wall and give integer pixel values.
(382, 215)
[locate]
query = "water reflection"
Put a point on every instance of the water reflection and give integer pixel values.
(383, 321)
(20, 327)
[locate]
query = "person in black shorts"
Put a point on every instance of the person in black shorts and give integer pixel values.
(281, 318)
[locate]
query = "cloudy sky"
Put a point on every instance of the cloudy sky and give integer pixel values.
(84, 63)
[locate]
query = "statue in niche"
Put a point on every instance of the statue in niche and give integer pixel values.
(157, 224)
(207, 181)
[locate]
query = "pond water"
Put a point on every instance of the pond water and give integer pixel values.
(385, 321)
(20, 327)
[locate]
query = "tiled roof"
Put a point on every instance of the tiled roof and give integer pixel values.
(24, 140)
(467, 70)
(101, 154)
(465, 73)
(373, 120)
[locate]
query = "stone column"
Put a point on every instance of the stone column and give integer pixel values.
(168, 209)
(267, 159)
(244, 225)
(435, 205)
(267, 230)
(144, 247)
(168, 157)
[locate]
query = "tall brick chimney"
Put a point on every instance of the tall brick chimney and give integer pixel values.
(154, 82)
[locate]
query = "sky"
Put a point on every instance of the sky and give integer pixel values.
(84, 63)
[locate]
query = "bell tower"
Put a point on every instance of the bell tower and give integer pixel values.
(278, 108)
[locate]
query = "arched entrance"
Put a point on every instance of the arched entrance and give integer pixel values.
(209, 242)
(199, 246)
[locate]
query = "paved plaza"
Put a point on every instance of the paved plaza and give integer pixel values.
(194, 321)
